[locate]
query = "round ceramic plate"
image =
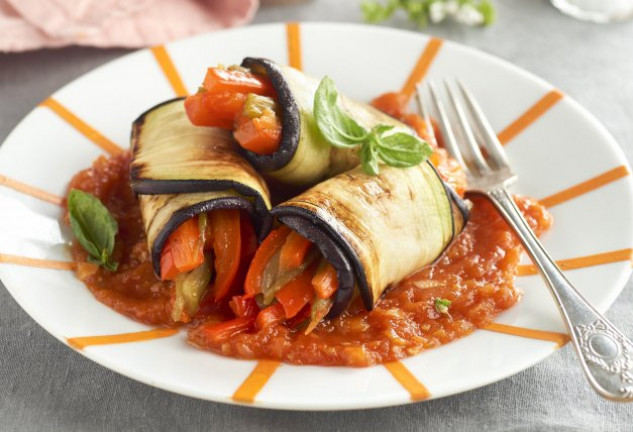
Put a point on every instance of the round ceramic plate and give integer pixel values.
(561, 154)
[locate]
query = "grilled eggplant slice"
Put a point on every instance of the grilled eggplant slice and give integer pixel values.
(179, 171)
(380, 228)
(304, 157)
(172, 156)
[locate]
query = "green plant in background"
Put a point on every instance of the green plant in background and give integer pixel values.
(421, 12)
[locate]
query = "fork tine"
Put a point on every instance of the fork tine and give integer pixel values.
(469, 139)
(487, 135)
(449, 137)
(425, 114)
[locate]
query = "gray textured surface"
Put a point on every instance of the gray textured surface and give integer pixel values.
(46, 386)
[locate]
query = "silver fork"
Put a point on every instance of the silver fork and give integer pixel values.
(605, 353)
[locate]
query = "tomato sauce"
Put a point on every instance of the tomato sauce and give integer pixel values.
(132, 290)
(476, 273)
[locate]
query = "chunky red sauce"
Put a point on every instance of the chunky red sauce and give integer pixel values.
(476, 273)
(132, 290)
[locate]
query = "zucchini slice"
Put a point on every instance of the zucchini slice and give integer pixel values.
(379, 229)
(304, 157)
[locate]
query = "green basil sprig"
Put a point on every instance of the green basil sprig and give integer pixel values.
(421, 12)
(94, 227)
(398, 149)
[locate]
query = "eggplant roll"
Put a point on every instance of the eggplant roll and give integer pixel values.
(376, 230)
(303, 156)
(180, 171)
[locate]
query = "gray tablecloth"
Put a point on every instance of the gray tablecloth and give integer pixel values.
(46, 386)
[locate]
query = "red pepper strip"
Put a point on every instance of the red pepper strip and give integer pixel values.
(220, 80)
(269, 316)
(244, 306)
(221, 332)
(168, 270)
(301, 317)
(208, 235)
(268, 248)
(261, 135)
(392, 103)
(214, 109)
(294, 295)
(185, 249)
(325, 281)
(227, 246)
(249, 247)
(294, 251)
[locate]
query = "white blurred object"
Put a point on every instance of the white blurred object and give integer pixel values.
(465, 13)
(600, 11)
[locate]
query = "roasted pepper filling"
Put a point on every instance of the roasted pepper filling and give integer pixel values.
(207, 257)
(288, 281)
(236, 99)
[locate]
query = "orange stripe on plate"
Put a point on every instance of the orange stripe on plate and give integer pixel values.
(35, 262)
(293, 36)
(530, 116)
(586, 186)
(30, 190)
(257, 379)
(560, 338)
(84, 128)
(164, 61)
(582, 262)
(84, 341)
(422, 66)
(404, 376)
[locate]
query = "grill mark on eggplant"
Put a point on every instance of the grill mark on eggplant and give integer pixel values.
(221, 154)
(354, 232)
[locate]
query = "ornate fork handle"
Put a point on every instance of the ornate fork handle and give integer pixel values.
(605, 353)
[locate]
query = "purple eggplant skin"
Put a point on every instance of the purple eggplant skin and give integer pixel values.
(184, 214)
(290, 120)
(167, 187)
(331, 252)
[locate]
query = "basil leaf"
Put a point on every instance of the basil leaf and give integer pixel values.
(93, 226)
(339, 129)
(369, 159)
(402, 150)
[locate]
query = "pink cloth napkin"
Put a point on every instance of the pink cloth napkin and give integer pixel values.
(33, 24)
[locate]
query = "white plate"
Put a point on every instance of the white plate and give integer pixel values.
(562, 148)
